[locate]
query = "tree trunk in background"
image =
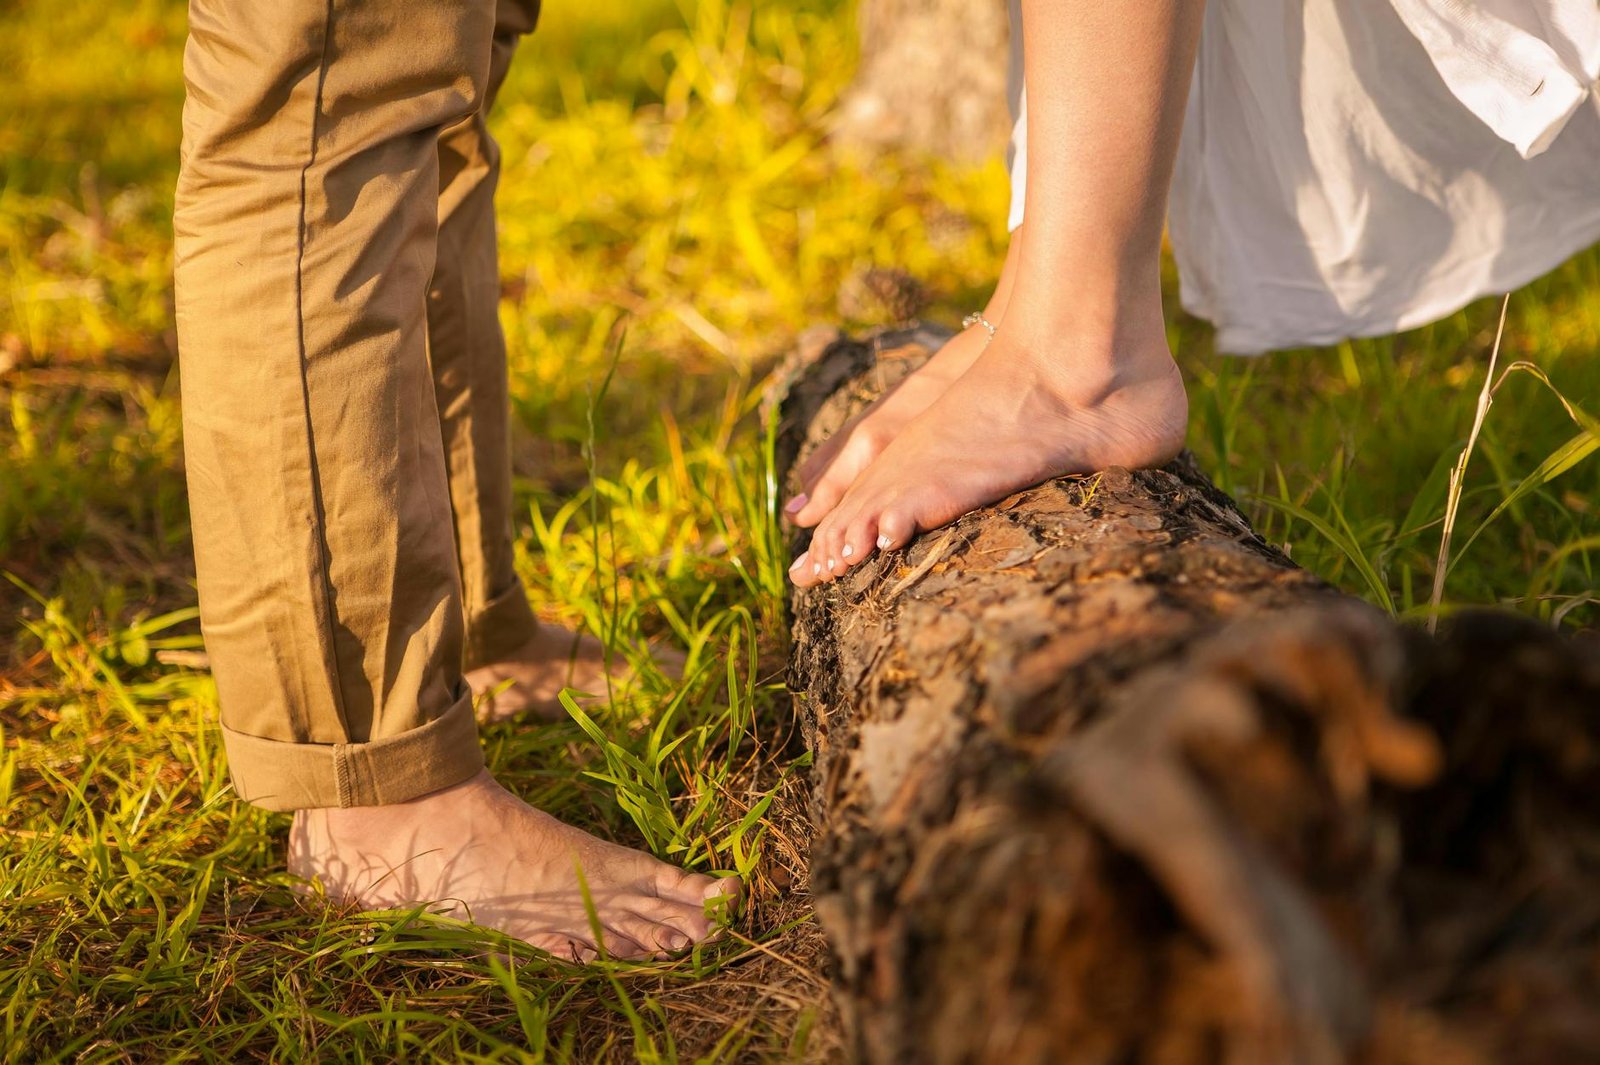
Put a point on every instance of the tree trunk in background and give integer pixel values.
(932, 78)
(1102, 776)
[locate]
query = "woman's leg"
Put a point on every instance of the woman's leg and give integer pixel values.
(1079, 377)
(306, 225)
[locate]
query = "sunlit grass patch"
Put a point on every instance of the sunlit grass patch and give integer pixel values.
(1344, 454)
(141, 907)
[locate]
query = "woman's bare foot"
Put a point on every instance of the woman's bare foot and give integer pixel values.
(529, 681)
(1014, 419)
(487, 856)
(828, 472)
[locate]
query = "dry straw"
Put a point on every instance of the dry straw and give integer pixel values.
(1458, 474)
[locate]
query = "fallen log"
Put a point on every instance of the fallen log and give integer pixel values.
(1101, 776)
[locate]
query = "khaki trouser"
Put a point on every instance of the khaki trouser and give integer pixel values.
(346, 420)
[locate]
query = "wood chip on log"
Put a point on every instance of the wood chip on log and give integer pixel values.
(1101, 776)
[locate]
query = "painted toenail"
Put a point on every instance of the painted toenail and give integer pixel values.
(816, 568)
(884, 542)
(847, 551)
(831, 563)
(799, 562)
(796, 505)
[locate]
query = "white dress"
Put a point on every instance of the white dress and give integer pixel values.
(1358, 167)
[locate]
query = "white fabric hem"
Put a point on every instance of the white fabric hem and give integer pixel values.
(1533, 262)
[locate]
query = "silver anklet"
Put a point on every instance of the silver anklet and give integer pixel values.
(978, 319)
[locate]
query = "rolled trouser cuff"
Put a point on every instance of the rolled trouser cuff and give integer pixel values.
(500, 628)
(278, 775)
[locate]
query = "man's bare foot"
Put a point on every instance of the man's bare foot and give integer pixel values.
(1013, 420)
(828, 472)
(487, 856)
(554, 659)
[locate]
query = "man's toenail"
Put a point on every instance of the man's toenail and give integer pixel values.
(884, 542)
(677, 942)
(847, 551)
(796, 505)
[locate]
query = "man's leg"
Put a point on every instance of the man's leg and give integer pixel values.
(523, 663)
(468, 355)
(1079, 376)
(306, 225)
(305, 240)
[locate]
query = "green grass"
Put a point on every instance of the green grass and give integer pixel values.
(667, 181)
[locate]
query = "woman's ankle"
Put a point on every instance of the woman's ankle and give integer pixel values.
(1087, 357)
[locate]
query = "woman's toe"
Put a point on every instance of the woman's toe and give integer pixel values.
(806, 570)
(800, 569)
(817, 463)
(860, 540)
(894, 529)
(823, 497)
(825, 548)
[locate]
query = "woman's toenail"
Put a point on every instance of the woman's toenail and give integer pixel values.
(796, 505)
(847, 551)
(883, 543)
(816, 568)
(799, 562)
(831, 563)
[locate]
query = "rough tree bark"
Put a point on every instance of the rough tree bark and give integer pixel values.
(1101, 776)
(932, 77)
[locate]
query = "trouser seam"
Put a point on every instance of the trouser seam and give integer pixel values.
(341, 775)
